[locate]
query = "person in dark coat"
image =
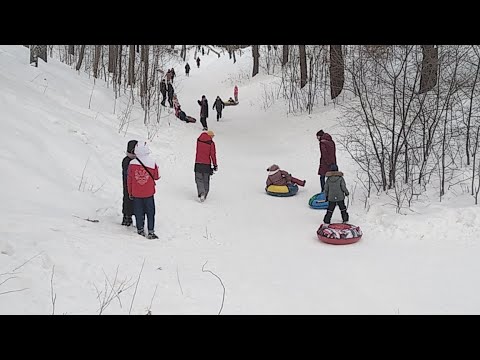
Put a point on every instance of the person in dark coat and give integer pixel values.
(127, 208)
(173, 74)
(219, 105)
(187, 69)
(203, 51)
(203, 111)
(205, 157)
(198, 62)
(170, 94)
(163, 90)
(335, 191)
(327, 155)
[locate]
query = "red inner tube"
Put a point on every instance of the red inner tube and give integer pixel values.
(338, 241)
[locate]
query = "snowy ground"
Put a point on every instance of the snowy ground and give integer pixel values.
(263, 248)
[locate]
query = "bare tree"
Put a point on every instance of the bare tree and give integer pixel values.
(81, 55)
(303, 66)
(337, 70)
(131, 66)
(285, 55)
(96, 60)
(256, 56)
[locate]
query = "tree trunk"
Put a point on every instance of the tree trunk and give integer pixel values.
(469, 118)
(96, 60)
(80, 57)
(33, 55)
(42, 52)
(285, 55)
(112, 55)
(303, 66)
(256, 56)
(337, 71)
(183, 54)
(131, 66)
(71, 49)
(119, 60)
(145, 72)
(428, 78)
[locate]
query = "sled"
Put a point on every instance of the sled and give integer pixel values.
(282, 191)
(318, 201)
(339, 234)
(228, 103)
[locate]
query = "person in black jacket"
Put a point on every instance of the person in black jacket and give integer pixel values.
(198, 62)
(173, 74)
(187, 69)
(127, 208)
(163, 90)
(203, 111)
(219, 105)
(170, 94)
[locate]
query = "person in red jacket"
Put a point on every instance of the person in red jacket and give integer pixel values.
(142, 173)
(235, 93)
(206, 155)
(327, 155)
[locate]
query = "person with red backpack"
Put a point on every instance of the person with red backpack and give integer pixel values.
(206, 155)
(142, 173)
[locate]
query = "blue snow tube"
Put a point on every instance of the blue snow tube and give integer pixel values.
(292, 190)
(318, 201)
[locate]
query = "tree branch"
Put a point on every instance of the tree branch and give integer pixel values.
(221, 282)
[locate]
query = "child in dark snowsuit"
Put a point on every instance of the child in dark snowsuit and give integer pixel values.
(335, 191)
(127, 208)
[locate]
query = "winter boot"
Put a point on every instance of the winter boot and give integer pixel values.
(141, 232)
(202, 197)
(151, 235)
(124, 221)
(129, 221)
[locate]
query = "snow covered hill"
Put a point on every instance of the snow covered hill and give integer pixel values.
(61, 164)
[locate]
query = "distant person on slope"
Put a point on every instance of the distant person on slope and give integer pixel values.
(142, 173)
(173, 74)
(206, 156)
(127, 208)
(235, 93)
(198, 62)
(170, 92)
(163, 90)
(169, 76)
(276, 176)
(219, 105)
(335, 191)
(187, 69)
(176, 104)
(203, 111)
(327, 155)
